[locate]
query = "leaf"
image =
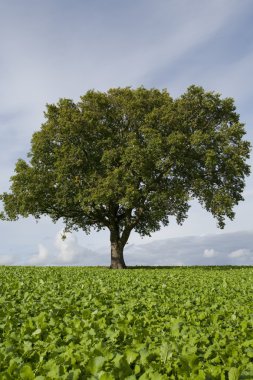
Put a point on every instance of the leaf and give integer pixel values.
(157, 376)
(106, 376)
(137, 369)
(36, 332)
(165, 351)
(131, 356)
(27, 346)
(122, 368)
(95, 364)
(26, 373)
(54, 369)
(74, 374)
(233, 374)
(144, 376)
(247, 374)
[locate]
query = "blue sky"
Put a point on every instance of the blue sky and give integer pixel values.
(52, 49)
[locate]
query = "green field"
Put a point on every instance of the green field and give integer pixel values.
(95, 323)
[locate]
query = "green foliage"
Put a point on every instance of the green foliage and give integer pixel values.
(91, 323)
(131, 158)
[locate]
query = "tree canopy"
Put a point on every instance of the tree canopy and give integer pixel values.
(129, 159)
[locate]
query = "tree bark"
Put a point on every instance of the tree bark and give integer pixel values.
(117, 258)
(117, 247)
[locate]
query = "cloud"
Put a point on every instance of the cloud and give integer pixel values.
(68, 248)
(240, 253)
(70, 252)
(210, 253)
(41, 257)
(221, 249)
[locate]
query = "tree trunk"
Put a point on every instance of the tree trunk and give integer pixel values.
(117, 258)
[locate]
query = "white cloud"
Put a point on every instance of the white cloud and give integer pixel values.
(68, 248)
(70, 252)
(239, 253)
(190, 250)
(41, 257)
(225, 249)
(209, 253)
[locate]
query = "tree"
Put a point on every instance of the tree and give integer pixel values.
(128, 159)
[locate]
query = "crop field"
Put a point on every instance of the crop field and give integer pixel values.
(95, 323)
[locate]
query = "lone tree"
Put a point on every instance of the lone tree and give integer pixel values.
(128, 159)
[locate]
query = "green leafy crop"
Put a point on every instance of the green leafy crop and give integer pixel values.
(148, 324)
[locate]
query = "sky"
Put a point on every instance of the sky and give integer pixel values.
(62, 48)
